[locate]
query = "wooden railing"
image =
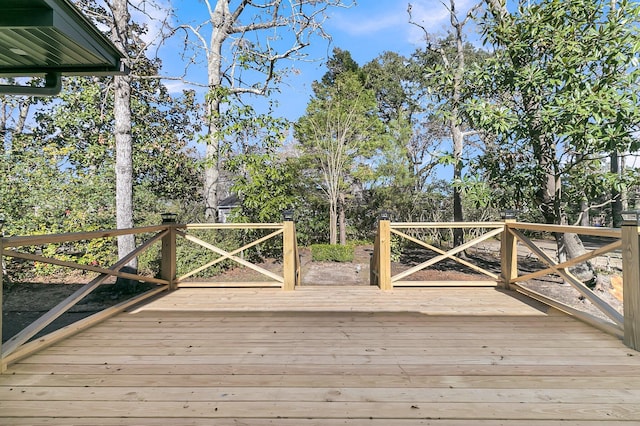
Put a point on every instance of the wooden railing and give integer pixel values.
(20, 345)
(515, 236)
(512, 237)
(164, 235)
(381, 259)
(290, 260)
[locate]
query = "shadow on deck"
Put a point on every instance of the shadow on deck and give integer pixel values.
(329, 355)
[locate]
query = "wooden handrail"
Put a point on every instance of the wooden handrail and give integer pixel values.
(233, 226)
(381, 259)
(224, 255)
(165, 233)
(445, 225)
(594, 231)
(448, 255)
(36, 240)
(510, 231)
(511, 234)
(15, 344)
(291, 263)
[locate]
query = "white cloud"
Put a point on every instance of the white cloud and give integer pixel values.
(368, 25)
(434, 16)
(154, 14)
(176, 86)
(391, 19)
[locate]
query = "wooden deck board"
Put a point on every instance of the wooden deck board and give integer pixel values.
(306, 422)
(333, 355)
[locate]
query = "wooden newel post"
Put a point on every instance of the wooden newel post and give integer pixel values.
(384, 258)
(508, 252)
(631, 281)
(289, 261)
(168, 262)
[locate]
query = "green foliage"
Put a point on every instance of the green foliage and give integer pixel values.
(341, 136)
(559, 94)
(312, 216)
(395, 80)
(476, 191)
(332, 253)
(59, 176)
(263, 177)
(339, 63)
(191, 255)
(397, 247)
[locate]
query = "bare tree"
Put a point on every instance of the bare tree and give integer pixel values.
(339, 133)
(453, 63)
(243, 49)
(13, 117)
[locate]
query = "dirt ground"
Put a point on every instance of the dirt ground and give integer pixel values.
(23, 303)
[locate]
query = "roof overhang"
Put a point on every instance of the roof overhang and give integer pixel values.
(52, 37)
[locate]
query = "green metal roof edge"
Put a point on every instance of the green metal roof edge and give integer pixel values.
(83, 32)
(88, 26)
(79, 26)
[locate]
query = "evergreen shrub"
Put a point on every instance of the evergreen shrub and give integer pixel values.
(332, 253)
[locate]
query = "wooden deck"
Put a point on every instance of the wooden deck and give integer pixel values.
(330, 355)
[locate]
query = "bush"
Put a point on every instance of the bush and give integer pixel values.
(331, 253)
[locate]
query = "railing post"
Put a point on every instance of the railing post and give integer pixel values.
(508, 253)
(631, 282)
(168, 263)
(289, 261)
(384, 258)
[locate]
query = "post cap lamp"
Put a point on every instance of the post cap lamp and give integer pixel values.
(630, 217)
(168, 217)
(287, 215)
(508, 214)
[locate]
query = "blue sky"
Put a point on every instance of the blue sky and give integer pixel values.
(366, 30)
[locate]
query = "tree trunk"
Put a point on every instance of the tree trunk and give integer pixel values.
(585, 219)
(549, 199)
(211, 178)
(3, 127)
(620, 201)
(123, 139)
(456, 133)
(548, 196)
(570, 246)
(333, 222)
(24, 106)
(6, 134)
(343, 222)
(221, 20)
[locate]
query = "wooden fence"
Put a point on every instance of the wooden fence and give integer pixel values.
(381, 259)
(290, 259)
(165, 235)
(512, 236)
